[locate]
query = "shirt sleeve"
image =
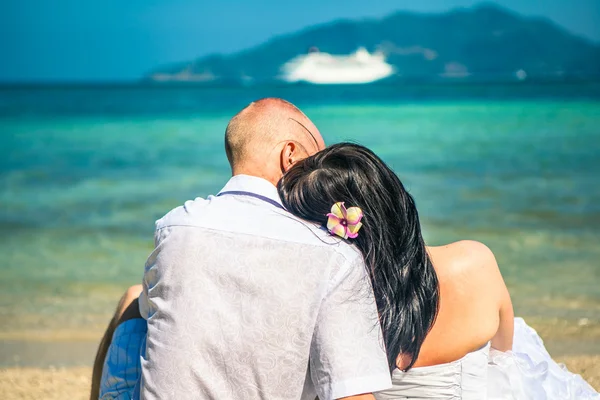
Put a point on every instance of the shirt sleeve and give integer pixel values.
(347, 354)
(143, 302)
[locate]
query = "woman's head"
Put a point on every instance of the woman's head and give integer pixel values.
(404, 282)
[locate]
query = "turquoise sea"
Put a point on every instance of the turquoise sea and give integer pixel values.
(86, 170)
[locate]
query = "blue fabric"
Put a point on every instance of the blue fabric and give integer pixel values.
(122, 371)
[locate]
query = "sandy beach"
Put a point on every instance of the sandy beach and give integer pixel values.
(74, 383)
(50, 383)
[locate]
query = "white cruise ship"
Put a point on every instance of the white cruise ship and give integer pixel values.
(324, 68)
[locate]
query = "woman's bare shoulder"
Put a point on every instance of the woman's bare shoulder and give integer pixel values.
(467, 263)
(463, 250)
(469, 301)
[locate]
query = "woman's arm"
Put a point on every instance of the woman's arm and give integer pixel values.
(503, 340)
(487, 281)
(360, 397)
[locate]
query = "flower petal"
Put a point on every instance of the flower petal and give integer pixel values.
(339, 210)
(333, 220)
(353, 230)
(339, 230)
(354, 215)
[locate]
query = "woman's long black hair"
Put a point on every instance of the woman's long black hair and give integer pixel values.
(404, 282)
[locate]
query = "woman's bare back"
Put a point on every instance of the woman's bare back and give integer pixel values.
(474, 308)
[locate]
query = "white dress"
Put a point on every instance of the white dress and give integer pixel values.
(526, 373)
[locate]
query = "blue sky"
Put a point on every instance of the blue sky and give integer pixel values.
(88, 40)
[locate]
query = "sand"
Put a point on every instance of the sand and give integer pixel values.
(577, 344)
(48, 384)
(74, 383)
(586, 366)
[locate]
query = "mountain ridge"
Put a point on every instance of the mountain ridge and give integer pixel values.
(481, 42)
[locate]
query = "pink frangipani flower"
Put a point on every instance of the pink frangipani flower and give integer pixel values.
(344, 222)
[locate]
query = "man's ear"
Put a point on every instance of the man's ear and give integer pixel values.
(289, 155)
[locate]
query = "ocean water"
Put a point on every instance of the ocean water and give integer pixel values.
(85, 172)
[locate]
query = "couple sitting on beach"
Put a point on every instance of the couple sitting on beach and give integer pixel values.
(307, 275)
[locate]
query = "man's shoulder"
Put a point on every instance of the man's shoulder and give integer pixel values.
(254, 218)
(184, 214)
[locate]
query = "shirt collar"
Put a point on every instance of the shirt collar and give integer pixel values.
(252, 184)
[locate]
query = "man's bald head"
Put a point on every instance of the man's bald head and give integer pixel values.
(259, 135)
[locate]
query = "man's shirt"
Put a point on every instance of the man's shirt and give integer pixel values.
(245, 301)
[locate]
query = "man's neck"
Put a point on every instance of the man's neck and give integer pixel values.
(256, 172)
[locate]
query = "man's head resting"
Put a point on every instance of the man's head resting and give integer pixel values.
(267, 137)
